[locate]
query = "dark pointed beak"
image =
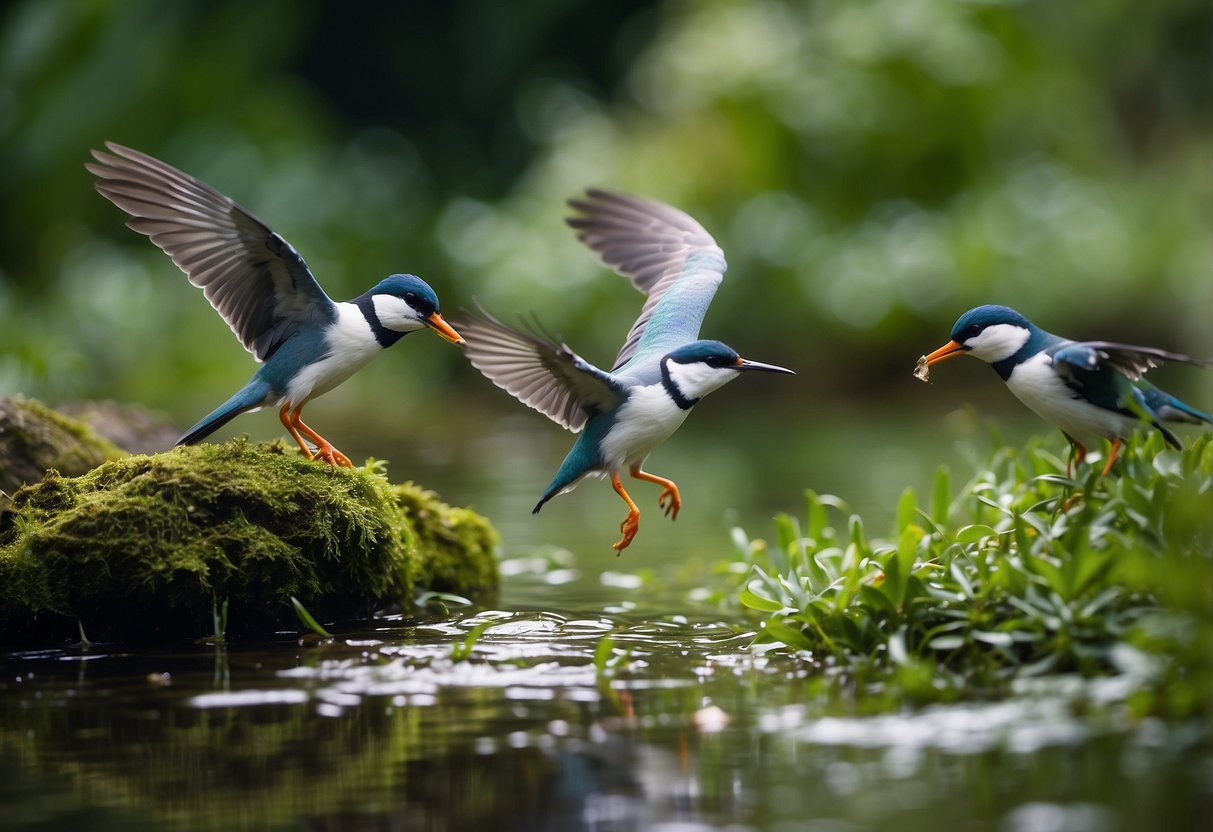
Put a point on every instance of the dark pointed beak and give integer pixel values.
(743, 364)
(435, 322)
(948, 350)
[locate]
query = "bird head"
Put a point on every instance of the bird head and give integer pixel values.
(405, 302)
(698, 368)
(991, 333)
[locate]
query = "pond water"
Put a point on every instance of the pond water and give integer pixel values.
(384, 728)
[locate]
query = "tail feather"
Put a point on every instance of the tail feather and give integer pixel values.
(1167, 407)
(248, 397)
(557, 488)
(574, 467)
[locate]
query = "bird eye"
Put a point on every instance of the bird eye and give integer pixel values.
(972, 329)
(410, 298)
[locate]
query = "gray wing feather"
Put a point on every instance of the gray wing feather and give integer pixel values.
(252, 277)
(1132, 361)
(548, 377)
(658, 247)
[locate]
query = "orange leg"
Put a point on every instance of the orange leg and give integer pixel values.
(671, 491)
(630, 525)
(1112, 452)
(324, 448)
(285, 416)
(1076, 458)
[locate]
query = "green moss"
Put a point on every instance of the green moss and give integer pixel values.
(35, 439)
(142, 546)
(462, 543)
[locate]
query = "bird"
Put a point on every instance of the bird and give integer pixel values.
(662, 370)
(305, 342)
(1092, 390)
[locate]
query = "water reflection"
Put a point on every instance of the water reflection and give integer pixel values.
(383, 729)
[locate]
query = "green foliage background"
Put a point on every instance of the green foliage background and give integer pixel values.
(871, 168)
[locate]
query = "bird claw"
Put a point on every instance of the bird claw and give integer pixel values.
(675, 504)
(629, 527)
(333, 456)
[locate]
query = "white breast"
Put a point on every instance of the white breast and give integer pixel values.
(351, 346)
(1036, 384)
(644, 421)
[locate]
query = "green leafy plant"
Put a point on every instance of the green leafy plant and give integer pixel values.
(307, 619)
(1019, 572)
(607, 659)
(462, 651)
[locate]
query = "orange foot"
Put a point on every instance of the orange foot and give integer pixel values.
(669, 491)
(671, 511)
(332, 456)
(629, 527)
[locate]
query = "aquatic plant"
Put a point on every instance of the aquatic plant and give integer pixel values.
(1017, 573)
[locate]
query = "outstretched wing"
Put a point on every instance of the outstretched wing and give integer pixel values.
(550, 378)
(667, 254)
(1130, 361)
(250, 274)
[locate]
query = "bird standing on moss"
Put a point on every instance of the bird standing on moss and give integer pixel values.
(1089, 389)
(662, 370)
(307, 343)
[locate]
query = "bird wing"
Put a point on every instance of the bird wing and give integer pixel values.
(541, 374)
(1127, 360)
(667, 254)
(252, 276)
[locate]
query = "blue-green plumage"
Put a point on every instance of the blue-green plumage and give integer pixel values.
(660, 373)
(1089, 389)
(264, 291)
(584, 457)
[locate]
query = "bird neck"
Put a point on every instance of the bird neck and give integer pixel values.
(672, 388)
(386, 337)
(1038, 340)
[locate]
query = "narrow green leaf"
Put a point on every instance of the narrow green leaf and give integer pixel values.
(941, 495)
(445, 597)
(973, 533)
(463, 651)
(603, 652)
(962, 580)
(907, 507)
(306, 618)
(790, 636)
(946, 642)
(817, 518)
(994, 638)
(757, 602)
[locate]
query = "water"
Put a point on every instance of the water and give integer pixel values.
(381, 729)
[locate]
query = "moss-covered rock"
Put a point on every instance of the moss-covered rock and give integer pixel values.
(145, 546)
(35, 439)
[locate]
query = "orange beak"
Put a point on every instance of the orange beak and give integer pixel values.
(436, 323)
(948, 350)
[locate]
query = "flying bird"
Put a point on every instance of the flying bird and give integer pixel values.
(306, 343)
(1089, 389)
(663, 369)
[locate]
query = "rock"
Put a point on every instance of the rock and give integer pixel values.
(135, 429)
(35, 439)
(148, 547)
